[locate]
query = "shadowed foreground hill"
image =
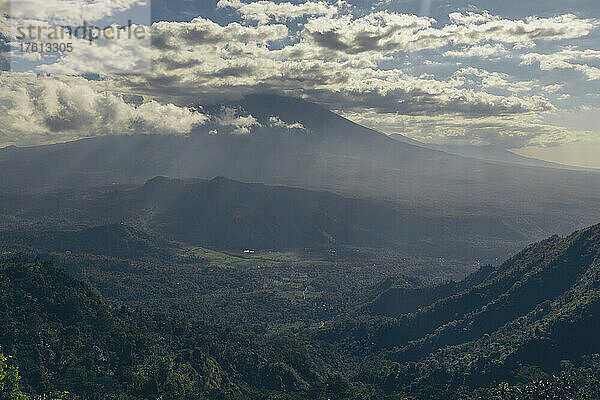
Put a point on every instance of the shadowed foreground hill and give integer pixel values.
(538, 308)
(116, 240)
(63, 336)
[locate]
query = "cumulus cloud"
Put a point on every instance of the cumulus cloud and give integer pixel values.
(377, 32)
(72, 11)
(46, 110)
(276, 122)
(566, 59)
(471, 18)
(396, 92)
(202, 58)
(487, 80)
(336, 58)
(391, 32)
(355, 64)
(265, 11)
(237, 123)
(101, 56)
(482, 51)
(552, 88)
(204, 32)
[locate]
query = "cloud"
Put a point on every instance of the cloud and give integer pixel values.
(552, 88)
(471, 18)
(237, 124)
(511, 132)
(395, 92)
(336, 60)
(381, 32)
(385, 32)
(370, 63)
(566, 59)
(71, 11)
(266, 11)
(100, 56)
(204, 32)
(276, 122)
(498, 80)
(202, 59)
(177, 45)
(482, 51)
(47, 110)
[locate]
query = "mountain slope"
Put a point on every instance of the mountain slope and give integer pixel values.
(64, 336)
(538, 308)
(527, 322)
(116, 240)
(227, 214)
(486, 152)
(333, 154)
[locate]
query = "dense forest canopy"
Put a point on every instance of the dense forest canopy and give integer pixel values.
(525, 329)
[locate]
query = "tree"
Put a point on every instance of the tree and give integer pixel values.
(9, 380)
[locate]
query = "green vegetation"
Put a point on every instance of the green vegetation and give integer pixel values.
(526, 329)
(256, 292)
(65, 337)
(10, 381)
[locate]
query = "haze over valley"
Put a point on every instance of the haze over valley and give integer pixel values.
(299, 200)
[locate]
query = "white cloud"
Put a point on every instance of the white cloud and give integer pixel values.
(238, 124)
(47, 110)
(201, 58)
(265, 11)
(471, 18)
(70, 11)
(381, 32)
(204, 32)
(276, 122)
(355, 64)
(100, 56)
(335, 59)
(489, 80)
(482, 51)
(510, 132)
(386, 32)
(552, 88)
(566, 59)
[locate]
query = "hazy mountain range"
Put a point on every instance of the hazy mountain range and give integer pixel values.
(328, 153)
(488, 153)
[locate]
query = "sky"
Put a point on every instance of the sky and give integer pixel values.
(524, 76)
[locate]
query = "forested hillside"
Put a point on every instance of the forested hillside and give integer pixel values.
(526, 329)
(63, 337)
(537, 309)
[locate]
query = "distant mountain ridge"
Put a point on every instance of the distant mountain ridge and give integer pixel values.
(488, 153)
(227, 214)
